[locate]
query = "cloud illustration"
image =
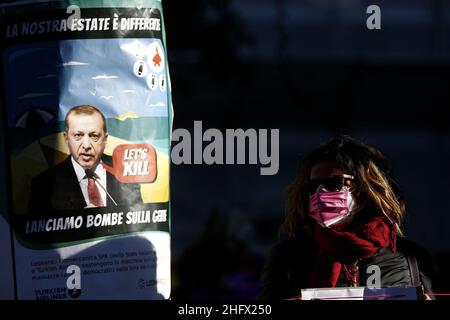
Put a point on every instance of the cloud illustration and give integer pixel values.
(106, 97)
(35, 95)
(128, 91)
(104, 77)
(73, 63)
(159, 104)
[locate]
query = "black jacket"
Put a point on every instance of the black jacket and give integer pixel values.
(58, 189)
(288, 265)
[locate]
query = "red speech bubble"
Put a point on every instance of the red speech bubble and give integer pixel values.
(133, 163)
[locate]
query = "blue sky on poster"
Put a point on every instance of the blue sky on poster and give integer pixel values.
(115, 75)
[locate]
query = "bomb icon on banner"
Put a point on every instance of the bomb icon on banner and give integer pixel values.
(140, 68)
(162, 83)
(152, 81)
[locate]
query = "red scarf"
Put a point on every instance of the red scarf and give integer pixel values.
(338, 248)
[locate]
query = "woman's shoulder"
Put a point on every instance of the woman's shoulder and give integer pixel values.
(406, 249)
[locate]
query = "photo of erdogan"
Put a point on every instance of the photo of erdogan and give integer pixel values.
(81, 181)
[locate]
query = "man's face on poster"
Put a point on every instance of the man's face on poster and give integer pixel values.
(86, 138)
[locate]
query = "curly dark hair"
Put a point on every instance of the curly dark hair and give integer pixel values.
(375, 186)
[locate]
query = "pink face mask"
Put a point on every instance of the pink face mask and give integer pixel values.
(331, 209)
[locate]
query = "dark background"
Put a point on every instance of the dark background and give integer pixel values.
(313, 70)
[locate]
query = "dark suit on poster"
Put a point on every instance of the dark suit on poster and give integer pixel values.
(58, 189)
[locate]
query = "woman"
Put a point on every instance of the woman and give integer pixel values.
(344, 214)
